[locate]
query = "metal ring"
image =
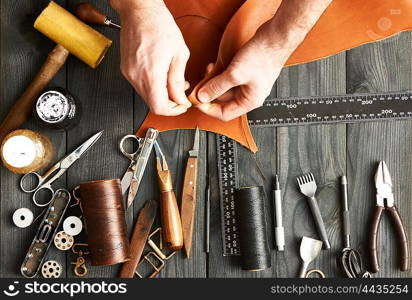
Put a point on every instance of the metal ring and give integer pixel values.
(130, 136)
(24, 178)
(36, 193)
(315, 271)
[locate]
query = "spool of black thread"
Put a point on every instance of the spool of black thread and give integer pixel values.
(250, 217)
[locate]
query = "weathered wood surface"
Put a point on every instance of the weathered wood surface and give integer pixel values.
(328, 151)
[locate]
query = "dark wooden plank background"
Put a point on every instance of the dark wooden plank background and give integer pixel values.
(326, 150)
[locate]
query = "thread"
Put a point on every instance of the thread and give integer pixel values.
(105, 223)
(250, 217)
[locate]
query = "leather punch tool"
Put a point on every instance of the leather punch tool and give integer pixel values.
(138, 161)
(385, 201)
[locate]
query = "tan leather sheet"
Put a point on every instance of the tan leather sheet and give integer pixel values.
(215, 29)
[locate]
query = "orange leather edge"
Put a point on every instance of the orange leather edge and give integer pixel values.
(344, 25)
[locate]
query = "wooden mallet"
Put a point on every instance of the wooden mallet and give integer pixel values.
(72, 36)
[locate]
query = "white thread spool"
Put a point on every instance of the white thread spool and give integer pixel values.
(23, 217)
(72, 225)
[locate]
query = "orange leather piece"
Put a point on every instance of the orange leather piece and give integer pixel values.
(215, 29)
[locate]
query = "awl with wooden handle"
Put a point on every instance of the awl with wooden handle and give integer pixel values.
(188, 206)
(140, 234)
(88, 13)
(169, 212)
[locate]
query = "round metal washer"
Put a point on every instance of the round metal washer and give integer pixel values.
(63, 241)
(72, 225)
(23, 217)
(51, 269)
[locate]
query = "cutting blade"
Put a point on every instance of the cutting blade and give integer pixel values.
(195, 150)
(134, 186)
(76, 154)
(126, 180)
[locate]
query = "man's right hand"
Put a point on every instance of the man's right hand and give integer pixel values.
(153, 55)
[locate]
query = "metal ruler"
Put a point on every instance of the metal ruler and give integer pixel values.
(300, 111)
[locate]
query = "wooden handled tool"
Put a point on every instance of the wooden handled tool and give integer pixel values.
(71, 36)
(169, 212)
(88, 13)
(140, 234)
(188, 206)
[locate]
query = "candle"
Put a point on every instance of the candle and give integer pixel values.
(24, 151)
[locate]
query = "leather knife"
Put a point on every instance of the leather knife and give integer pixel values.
(188, 205)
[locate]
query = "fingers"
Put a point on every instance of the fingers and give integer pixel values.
(228, 110)
(158, 99)
(176, 83)
(218, 85)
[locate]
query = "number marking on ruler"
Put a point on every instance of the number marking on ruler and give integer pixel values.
(228, 182)
(332, 109)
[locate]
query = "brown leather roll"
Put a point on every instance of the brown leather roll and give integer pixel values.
(104, 215)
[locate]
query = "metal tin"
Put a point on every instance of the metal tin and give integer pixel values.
(58, 109)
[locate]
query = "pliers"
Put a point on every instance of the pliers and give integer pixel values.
(385, 201)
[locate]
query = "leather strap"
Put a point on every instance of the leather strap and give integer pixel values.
(140, 234)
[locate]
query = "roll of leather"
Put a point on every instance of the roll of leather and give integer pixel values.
(104, 215)
(250, 218)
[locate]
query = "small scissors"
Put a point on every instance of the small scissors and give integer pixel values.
(138, 159)
(44, 182)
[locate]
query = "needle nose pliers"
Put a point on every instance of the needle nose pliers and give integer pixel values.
(385, 201)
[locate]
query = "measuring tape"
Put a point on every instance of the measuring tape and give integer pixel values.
(299, 111)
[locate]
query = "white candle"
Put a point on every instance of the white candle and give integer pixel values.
(19, 151)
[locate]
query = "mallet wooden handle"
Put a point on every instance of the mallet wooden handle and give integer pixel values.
(23, 107)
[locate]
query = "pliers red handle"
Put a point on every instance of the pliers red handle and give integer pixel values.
(385, 201)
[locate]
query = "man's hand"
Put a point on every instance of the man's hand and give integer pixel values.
(248, 79)
(244, 85)
(153, 55)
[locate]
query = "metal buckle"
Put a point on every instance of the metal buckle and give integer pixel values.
(156, 268)
(80, 269)
(157, 253)
(158, 249)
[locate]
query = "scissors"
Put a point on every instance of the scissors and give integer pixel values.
(138, 161)
(44, 182)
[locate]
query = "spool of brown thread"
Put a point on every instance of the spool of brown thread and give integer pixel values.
(104, 214)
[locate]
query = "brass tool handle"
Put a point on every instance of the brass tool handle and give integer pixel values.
(373, 247)
(188, 206)
(402, 237)
(171, 223)
(23, 107)
(140, 234)
(88, 13)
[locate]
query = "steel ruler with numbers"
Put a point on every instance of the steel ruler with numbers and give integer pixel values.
(300, 111)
